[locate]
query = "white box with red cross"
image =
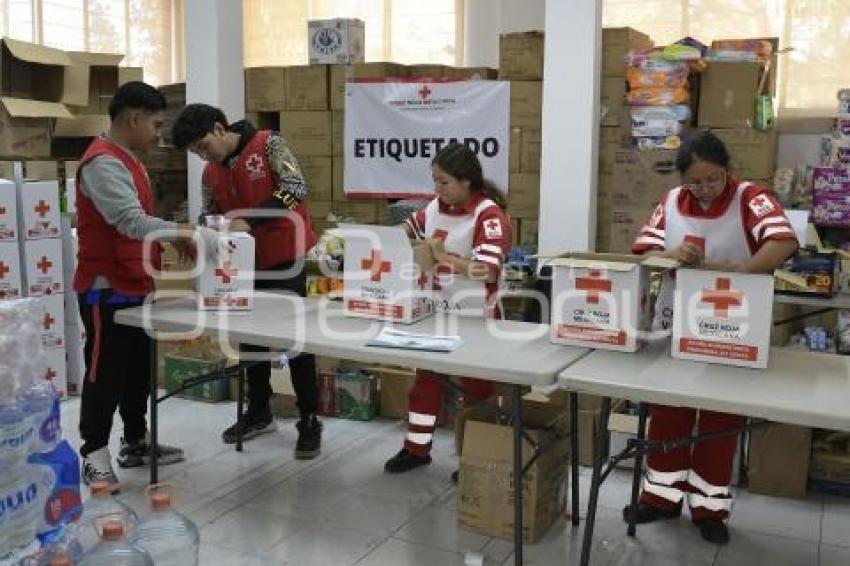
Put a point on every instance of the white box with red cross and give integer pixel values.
(8, 211)
(385, 277)
(11, 282)
(52, 320)
(38, 208)
(43, 268)
(602, 300)
(723, 318)
(56, 370)
(227, 285)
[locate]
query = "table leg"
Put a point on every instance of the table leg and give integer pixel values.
(599, 457)
(638, 468)
(518, 507)
(574, 471)
(154, 416)
(240, 401)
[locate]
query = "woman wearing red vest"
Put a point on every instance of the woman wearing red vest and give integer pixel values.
(714, 221)
(251, 169)
(115, 214)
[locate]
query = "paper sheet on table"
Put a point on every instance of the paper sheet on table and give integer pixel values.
(393, 338)
(799, 221)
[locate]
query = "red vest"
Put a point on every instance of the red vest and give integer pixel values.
(248, 185)
(103, 251)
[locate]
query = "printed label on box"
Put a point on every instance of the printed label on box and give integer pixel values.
(43, 267)
(39, 209)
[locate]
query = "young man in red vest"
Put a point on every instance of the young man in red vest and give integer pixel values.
(251, 169)
(115, 216)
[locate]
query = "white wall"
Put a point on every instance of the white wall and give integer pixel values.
(485, 20)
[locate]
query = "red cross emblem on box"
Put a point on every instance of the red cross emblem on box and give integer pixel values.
(376, 265)
(594, 285)
(722, 297)
(44, 265)
(48, 321)
(42, 208)
(424, 92)
(226, 272)
(4, 269)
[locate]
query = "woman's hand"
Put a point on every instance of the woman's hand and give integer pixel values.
(687, 254)
(438, 249)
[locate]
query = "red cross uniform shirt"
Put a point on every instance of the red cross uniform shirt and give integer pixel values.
(480, 231)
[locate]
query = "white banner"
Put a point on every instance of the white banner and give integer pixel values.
(394, 129)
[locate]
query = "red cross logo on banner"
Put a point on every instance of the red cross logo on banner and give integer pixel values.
(424, 92)
(48, 321)
(42, 209)
(722, 297)
(4, 269)
(44, 265)
(376, 265)
(594, 285)
(226, 272)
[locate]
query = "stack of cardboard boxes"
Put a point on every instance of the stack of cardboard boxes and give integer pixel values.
(521, 63)
(169, 180)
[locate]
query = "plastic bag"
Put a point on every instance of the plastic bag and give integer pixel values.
(655, 96)
(671, 75)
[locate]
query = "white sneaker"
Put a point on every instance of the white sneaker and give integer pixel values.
(97, 466)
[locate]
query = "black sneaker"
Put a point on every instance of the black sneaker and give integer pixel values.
(405, 461)
(137, 454)
(714, 531)
(649, 514)
(309, 443)
(252, 425)
(97, 467)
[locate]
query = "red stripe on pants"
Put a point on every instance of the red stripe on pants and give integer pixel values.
(95, 354)
(711, 459)
(426, 397)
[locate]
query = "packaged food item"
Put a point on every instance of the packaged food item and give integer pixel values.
(667, 142)
(747, 49)
(656, 96)
(655, 128)
(679, 113)
(658, 74)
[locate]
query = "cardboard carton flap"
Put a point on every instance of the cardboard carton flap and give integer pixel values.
(593, 264)
(33, 53)
(25, 108)
(95, 59)
(81, 126)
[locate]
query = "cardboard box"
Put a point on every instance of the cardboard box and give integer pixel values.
(337, 133)
(727, 94)
(75, 363)
(526, 104)
(832, 468)
(524, 195)
(425, 72)
(612, 140)
(722, 318)
(339, 73)
(357, 395)
(364, 211)
(528, 230)
(38, 205)
(602, 300)
(616, 43)
(385, 278)
(307, 87)
(265, 89)
(42, 271)
(8, 211)
(320, 210)
(341, 40)
(56, 370)
(396, 383)
(521, 56)
(41, 170)
(32, 72)
(625, 224)
(179, 368)
(514, 150)
(779, 460)
(91, 81)
(753, 152)
(82, 126)
(11, 282)
(52, 317)
(318, 173)
(471, 73)
(641, 178)
(70, 247)
(531, 146)
(228, 284)
(485, 491)
(309, 133)
(338, 191)
(26, 126)
(613, 94)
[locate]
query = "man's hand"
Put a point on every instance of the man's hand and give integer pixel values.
(238, 225)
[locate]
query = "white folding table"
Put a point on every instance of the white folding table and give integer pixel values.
(803, 388)
(518, 354)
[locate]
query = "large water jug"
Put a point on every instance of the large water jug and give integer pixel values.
(102, 507)
(40, 404)
(19, 506)
(169, 537)
(115, 550)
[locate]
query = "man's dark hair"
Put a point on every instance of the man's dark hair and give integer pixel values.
(136, 95)
(194, 122)
(702, 146)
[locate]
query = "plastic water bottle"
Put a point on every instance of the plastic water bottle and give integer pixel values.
(170, 537)
(102, 507)
(115, 550)
(19, 505)
(41, 404)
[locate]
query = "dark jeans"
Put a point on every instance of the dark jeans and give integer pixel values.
(302, 368)
(117, 371)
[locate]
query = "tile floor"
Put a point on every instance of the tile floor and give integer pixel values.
(261, 507)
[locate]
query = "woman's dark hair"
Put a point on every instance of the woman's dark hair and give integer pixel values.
(702, 146)
(194, 122)
(460, 162)
(136, 95)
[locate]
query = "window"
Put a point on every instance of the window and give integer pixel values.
(817, 30)
(143, 30)
(403, 31)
